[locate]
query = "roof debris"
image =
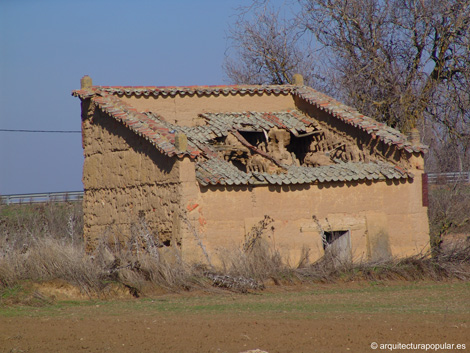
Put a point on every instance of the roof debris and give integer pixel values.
(223, 160)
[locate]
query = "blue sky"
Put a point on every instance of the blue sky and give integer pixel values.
(46, 46)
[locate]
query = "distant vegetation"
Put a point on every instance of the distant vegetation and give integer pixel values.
(449, 212)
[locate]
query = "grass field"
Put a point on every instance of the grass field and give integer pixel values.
(298, 300)
(298, 318)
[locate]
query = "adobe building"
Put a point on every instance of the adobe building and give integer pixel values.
(197, 167)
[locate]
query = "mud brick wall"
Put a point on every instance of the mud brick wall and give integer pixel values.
(384, 218)
(184, 110)
(128, 183)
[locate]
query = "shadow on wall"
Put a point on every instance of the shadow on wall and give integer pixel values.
(379, 246)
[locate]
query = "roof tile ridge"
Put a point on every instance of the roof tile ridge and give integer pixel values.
(141, 124)
(84, 92)
(352, 116)
(196, 89)
(179, 87)
(292, 111)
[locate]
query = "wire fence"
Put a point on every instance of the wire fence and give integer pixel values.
(449, 178)
(66, 196)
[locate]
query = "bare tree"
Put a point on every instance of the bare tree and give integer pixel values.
(403, 62)
(268, 48)
(447, 132)
(392, 58)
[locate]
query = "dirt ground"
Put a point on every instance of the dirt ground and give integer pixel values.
(314, 318)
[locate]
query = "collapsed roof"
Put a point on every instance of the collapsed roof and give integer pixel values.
(256, 148)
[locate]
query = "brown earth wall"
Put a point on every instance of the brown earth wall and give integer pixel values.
(127, 183)
(183, 110)
(384, 218)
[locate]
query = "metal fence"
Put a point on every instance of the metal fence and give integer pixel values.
(449, 178)
(67, 196)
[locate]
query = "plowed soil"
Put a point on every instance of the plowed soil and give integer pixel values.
(314, 318)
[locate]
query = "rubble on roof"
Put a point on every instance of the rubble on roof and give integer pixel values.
(253, 148)
(350, 116)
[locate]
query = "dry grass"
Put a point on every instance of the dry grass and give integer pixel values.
(255, 259)
(22, 224)
(48, 259)
(137, 266)
(34, 251)
(453, 262)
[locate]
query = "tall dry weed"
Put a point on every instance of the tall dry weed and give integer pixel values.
(141, 261)
(449, 212)
(453, 262)
(41, 250)
(49, 259)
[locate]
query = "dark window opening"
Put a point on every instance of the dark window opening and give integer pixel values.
(255, 138)
(299, 146)
(337, 245)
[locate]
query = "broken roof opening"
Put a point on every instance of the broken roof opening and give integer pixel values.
(260, 147)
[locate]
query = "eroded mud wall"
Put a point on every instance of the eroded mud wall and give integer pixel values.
(129, 186)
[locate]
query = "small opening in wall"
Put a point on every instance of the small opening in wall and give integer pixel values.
(338, 245)
(331, 237)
